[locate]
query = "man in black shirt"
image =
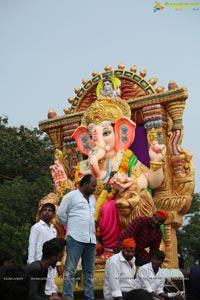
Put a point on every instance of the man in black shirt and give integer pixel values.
(13, 282)
(52, 252)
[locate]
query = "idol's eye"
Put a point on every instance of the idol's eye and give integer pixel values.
(106, 133)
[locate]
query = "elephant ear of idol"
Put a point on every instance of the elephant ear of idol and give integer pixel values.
(112, 109)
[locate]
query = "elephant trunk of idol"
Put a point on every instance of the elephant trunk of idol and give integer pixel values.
(97, 153)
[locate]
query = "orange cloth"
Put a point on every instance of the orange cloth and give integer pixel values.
(163, 214)
(128, 243)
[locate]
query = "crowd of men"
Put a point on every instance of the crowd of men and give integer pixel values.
(132, 273)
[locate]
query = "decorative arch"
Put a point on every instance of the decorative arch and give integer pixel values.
(132, 86)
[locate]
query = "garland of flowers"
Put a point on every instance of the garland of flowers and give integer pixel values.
(63, 189)
(78, 175)
(82, 166)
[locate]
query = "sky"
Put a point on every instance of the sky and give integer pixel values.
(48, 46)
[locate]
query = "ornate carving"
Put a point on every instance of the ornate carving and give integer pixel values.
(105, 109)
(132, 203)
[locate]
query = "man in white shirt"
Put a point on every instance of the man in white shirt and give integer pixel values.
(119, 272)
(41, 232)
(76, 211)
(150, 276)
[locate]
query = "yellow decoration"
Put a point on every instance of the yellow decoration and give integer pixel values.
(156, 165)
(78, 176)
(62, 189)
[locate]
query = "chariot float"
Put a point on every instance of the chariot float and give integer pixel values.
(108, 129)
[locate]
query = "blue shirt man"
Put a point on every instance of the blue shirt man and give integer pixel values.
(76, 211)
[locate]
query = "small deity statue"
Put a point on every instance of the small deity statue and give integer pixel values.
(61, 182)
(108, 87)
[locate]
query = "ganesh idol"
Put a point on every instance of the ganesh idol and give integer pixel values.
(124, 183)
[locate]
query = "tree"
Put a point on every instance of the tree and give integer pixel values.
(188, 235)
(24, 179)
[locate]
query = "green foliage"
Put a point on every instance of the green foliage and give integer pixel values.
(24, 179)
(24, 152)
(188, 235)
(195, 207)
(14, 238)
